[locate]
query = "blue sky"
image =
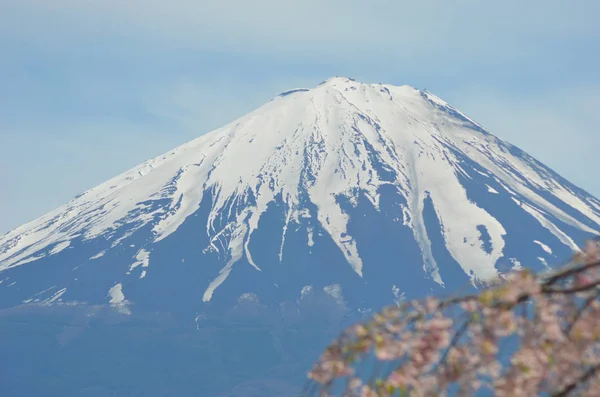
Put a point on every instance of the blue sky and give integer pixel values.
(91, 88)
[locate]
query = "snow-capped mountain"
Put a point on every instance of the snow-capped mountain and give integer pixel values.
(350, 195)
(330, 175)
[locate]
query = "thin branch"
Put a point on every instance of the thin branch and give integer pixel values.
(570, 272)
(575, 290)
(584, 378)
(310, 387)
(460, 332)
(583, 307)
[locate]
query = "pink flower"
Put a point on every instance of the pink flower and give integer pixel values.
(591, 251)
(433, 344)
(582, 279)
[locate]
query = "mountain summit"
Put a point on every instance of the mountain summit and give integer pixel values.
(365, 191)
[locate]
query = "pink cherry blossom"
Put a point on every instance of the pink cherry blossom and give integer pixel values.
(431, 346)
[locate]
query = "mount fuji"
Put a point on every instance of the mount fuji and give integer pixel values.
(233, 258)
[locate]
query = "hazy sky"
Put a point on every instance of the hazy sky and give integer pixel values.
(90, 88)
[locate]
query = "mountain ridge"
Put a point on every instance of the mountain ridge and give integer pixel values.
(309, 151)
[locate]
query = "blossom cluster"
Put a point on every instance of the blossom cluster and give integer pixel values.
(525, 334)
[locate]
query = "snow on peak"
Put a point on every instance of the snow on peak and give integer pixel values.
(340, 139)
(338, 79)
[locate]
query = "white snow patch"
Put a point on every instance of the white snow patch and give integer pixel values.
(566, 240)
(248, 297)
(311, 240)
(235, 245)
(56, 296)
(60, 247)
(98, 255)
(460, 218)
(398, 297)
(285, 227)
(118, 300)
(44, 291)
(406, 219)
(122, 238)
(491, 189)
(116, 294)
(544, 247)
(516, 264)
(335, 291)
(142, 259)
(28, 260)
(307, 289)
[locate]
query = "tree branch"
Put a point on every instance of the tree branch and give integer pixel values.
(583, 307)
(575, 290)
(584, 378)
(570, 272)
